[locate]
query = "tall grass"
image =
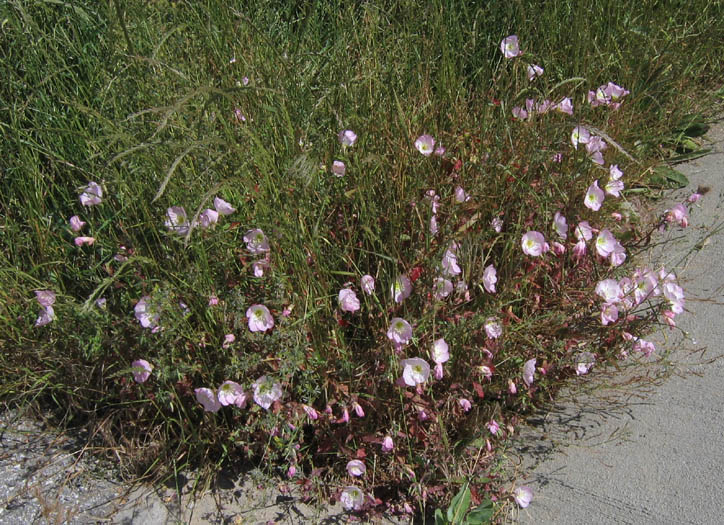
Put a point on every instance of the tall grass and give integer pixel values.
(174, 104)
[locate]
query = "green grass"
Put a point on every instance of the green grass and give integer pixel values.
(141, 97)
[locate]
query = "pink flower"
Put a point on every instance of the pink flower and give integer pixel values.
(609, 313)
(618, 255)
(440, 352)
(260, 319)
(490, 277)
(45, 298)
(511, 387)
(348, 301)
(450, 262)
(415, 371)
(497, 224)
(231, 393)
(614, 187)
(425, 144)
(438, 371)
(47, 315)
(146, 313)
(367, 283)
(579, 249)
(441, 288)
(208, 218)
(560, 225)
(594, 197)
(694, 197)
(609, 290)
(544, 107)
(493, 426)
(585, 362)
(223, 207)
(614, 172)
(433, 225)
(401, 288)
(558, 248)
(84, 241)
(347, 137)
(141, 370)
(313, 415)
(76, 224)
(440, 150)
(534, 244)
(176, 220)
(615, 92)
(260, 266)
(256, 241)
(387, 444)
(352, 498)
(534, 71)
(460, 195)
(465, 404)
(523, 496)
(519, 113)
(228, 340)
(605, 243)
(266, 391)
(338, 168)
(356, 468)
(208, 399)
(583, 231)
(213, 300)
(493, 328)
(565, 106)
(291, 471)
(358, 409)
(399, 332)
(580, 135)
(678, 214)
(645, 347)
(529, 371)
(92, 194)
(595, 143)
(509, 47)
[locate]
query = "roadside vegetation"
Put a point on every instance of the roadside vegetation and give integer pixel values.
(349, 243)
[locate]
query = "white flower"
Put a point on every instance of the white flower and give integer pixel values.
(348, 301)
(440, 351)
(425, 144)
(415, 371)
(266, 391)
(260, 319)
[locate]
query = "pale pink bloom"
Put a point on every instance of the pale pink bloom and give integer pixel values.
(338, 168)
(260, 319)
(145, 313)
(605, 243)
(256, 241)
(609, 313)
(208, 399)
(433, 225)
(399, 332)
(519, 113)
(101, 302)
(348, 301)
(438, 371)
(231, 393)
(558, 248)
(461, 288)
(47, 315)
(291, 471)
(493, 426)
(465, 404)
(92, 194)
(425, 144)
(415, 371)
(358, 409)
(223, 207)
(597, 157)
(440, 150)
(141, 370)
(208, 218)
(597, 98)
(580, 135)
(561, 225)
(76, 224)
(460, 195)
(534, 244)
(643, 346)
(387, 444)
(585, 360)
(45, 298)
(401, 288)
(616, 216)
(345, 416)
(266, 391)
(669, 318)
(615, 92)
(694, 197)
(347, 137)
(367, 283)
(450, 263)
(594, 197)
(595, 143)
(544, 107)
(523, 496)
(579, 250)
(534, 71)
(618, 255)
(646, 285)
(84, 241)
(583, 231)
(511, 387)
(228, 340)
(440, 351)
(675, 295)
(260, 266)
(176, 220)
(441, 288)
(614, 172)
(530, 105)
(352, 498)
(678, 214)
(422, 415)
(493, 328)
(529, 371)
(213, 300)
(614, 187)
(609, 290)
(356, 468)
(434, 200)
(490, 277)
(509, 47)
(313, 415)
(497, 224)
(485, 371)
(565, 106)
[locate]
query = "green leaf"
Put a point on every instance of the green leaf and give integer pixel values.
(666, 177)
(459, 505)
(693, 126)
(439, 518)
(481, 514)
